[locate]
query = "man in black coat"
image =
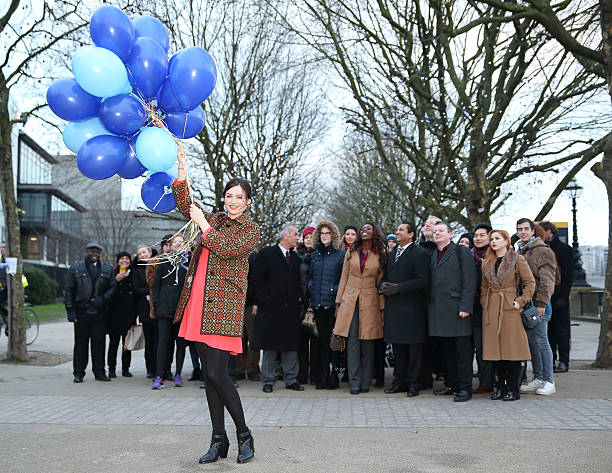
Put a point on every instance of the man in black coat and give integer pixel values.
(404, 287)
(278, 292)
(88, 291)
(559, 331)
(453, 287)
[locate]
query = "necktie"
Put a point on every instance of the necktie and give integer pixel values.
(287, 257)
(398, 253)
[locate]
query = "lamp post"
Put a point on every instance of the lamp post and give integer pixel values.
(579, 275)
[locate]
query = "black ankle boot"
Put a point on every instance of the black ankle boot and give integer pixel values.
(218, 448)
(512, 396)
(246, 447)
(497, 395)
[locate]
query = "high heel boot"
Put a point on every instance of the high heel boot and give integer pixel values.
(219, 445)
(246, 447)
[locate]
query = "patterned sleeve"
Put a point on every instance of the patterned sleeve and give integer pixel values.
(182, 199)
(237, 244)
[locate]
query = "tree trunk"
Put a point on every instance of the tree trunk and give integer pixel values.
(17, 349)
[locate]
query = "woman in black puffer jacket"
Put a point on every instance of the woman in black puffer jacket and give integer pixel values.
(325, 271)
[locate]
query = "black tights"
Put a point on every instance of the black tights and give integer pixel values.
(220, 390)
(508, 375)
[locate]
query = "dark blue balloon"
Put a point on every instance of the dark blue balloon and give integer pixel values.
(186, 124)
(156, 192)
(147, 66)
(192, 74)
(149, 27)
(166, 99)
(111, 29)
(132, 168)
(102, 156)
(122, 114)
(68, 100)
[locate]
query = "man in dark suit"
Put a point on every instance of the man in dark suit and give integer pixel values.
(404, 287)
(278, 292)
(453, 286)
(559, 331)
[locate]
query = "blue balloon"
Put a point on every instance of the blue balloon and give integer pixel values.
(77, 133)
(156, 148)
(147, 66)
(132, 168)
(110, 28)
(102, 156)
(186, 124)
(68, 100)
(172, 170)
(148, 27)
(156, 192)
(99, 71)
(166, 99)
(122, 114)
(192, 74)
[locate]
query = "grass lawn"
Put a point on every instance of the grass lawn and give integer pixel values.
(49, 312)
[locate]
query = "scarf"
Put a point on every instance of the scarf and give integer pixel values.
(522, 245)
(479, 253)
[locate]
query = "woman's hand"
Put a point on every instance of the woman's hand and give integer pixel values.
(517, 305)
(120, 277)
(197, 216)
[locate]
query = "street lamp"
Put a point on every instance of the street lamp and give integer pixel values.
(579, 276)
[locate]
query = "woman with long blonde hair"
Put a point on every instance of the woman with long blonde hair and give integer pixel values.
(507, 285)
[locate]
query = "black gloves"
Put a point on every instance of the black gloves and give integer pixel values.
(389, 289)
(97, 302)
(71, 316)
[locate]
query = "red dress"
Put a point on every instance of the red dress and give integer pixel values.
(191, 324)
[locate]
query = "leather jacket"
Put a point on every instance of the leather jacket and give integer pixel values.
(80, 290)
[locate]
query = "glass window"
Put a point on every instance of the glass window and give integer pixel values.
(35, 207)
(33, 168)
(64, 217)
(31, 246)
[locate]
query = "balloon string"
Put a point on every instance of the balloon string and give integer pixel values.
(167, 190)
(185, 125)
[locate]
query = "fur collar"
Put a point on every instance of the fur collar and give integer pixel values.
(505, 269)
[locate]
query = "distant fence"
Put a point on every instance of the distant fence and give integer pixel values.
(586, 303)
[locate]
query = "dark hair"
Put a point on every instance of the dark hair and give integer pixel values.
(546, 225)
(411, 228)
(484, 225)
(166, 239)
(470, 237)
(378, 243)
(525, 220)
(239, 181)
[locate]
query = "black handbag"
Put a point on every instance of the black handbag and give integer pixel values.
(529, 312)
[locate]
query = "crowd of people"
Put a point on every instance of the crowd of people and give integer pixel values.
(414, 300)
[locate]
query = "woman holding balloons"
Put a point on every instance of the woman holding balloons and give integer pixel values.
(211, 308)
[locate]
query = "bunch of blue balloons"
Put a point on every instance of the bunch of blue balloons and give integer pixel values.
(127, 103)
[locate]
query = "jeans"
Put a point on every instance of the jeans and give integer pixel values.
(541, 353)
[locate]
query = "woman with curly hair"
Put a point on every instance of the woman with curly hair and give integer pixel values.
(359, 306)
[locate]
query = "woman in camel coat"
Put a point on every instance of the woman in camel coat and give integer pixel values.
(507, 285)
(359, 306)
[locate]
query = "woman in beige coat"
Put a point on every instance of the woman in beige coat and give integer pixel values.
(359, 306)
(507, 285)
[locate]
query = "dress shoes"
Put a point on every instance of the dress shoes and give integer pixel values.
(267, 388)
(126, 374)
(102, 377)
(112, 373)
(561, 368)
(355, 391)
(239, 376)
(364, 390)
(318, 387)
(394, 389)
(482, 389)
(462, 396)
(295, 387)
(511, 396)
(254, 376)
(497, 395)
(412, 392)
(78, 379)
(445, 391)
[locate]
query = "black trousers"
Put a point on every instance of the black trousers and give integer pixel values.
(88, 330)
(165, 346)
(559, 330)
(113, 345)
(485, 368)
(380, 353)
(308, 359)
(408, 361)
(325, 324)
(149, 328)
(508, 375)
(458, 354)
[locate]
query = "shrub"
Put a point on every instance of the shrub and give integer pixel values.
(41, 288)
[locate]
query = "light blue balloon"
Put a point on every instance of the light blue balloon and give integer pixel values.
(156, 148)
(77, 133)
(172, 170)
(99, 72)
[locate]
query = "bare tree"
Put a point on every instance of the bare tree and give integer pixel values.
(264, 116)
(472, 106)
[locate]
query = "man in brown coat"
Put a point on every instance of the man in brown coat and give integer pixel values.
(543, 265)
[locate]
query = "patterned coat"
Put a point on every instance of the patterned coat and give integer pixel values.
(229, 241)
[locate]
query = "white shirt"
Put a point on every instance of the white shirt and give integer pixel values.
(284, 250)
